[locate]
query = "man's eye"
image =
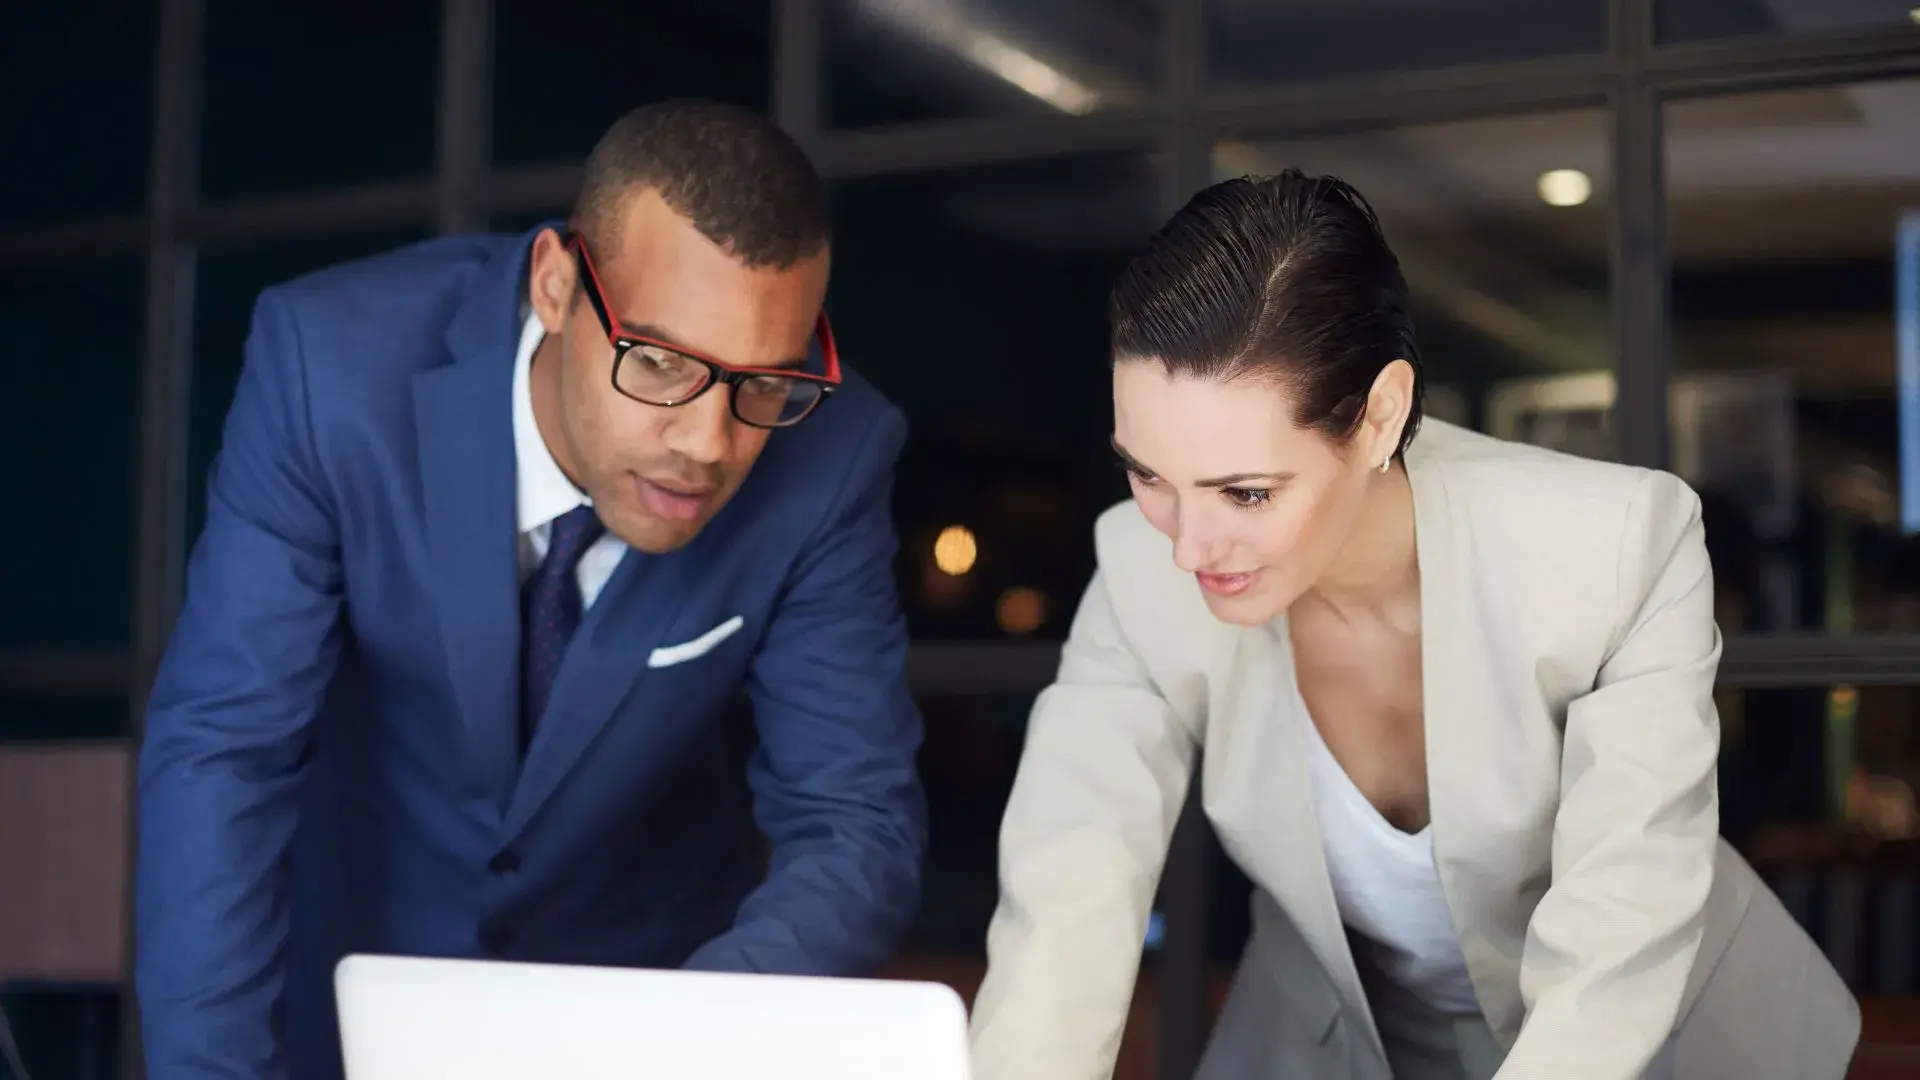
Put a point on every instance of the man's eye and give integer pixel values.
(769, 386)
(658, 360)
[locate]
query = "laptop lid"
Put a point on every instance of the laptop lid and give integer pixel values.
(407, 1018)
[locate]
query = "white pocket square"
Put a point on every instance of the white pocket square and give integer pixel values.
(669, 655)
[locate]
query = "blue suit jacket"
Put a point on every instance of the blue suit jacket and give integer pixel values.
(331, 762)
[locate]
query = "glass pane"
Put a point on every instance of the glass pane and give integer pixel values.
(516, 222)
(1501, 227)
(566, 69)
(304, 96)
(229, 283)
(1817, 789)
(889, 61)
(1699, 20)
(66, 1032)
(968, 762)
(69, 452)
(1254, 42)
(976, 300)
(1794, 413)
(76, 86)
(63, 719)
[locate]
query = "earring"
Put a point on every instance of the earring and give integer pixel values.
(1385, 464)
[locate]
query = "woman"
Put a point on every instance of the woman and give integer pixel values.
(1454, 697)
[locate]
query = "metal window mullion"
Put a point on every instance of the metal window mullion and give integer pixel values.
(798, 72)
(1187, 150)
(166, 395)
(464, 115)
(1642, 322)
(73, 242)
(1757, 63)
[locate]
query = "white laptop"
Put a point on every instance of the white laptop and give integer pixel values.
(416, 1019)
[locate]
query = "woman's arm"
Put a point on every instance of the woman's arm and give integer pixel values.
(1614, 938)
(1101, 783)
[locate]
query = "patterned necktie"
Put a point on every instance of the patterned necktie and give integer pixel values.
(550, 607)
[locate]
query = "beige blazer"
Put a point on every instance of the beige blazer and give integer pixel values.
(1569, 653)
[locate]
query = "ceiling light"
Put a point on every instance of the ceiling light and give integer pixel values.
(954, 550)
(1565, 187)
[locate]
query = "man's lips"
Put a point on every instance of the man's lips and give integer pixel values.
(673, 499)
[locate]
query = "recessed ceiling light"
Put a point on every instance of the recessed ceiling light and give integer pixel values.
(1565, 187)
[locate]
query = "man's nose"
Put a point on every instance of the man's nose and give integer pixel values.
(702, 430)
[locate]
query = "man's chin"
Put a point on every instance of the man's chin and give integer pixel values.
(660, 537)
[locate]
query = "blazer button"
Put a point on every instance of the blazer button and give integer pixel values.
(507, 862)
(496, 938)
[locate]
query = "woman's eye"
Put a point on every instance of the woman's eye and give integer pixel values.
(1247, 498)
(1140, 475)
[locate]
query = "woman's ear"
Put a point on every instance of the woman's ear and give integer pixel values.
(1389, 405)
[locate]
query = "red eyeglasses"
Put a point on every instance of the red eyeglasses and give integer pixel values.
(654, 372)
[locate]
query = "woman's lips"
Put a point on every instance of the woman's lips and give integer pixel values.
(1227, 584)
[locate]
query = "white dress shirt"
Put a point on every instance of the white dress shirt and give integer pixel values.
(542, 490)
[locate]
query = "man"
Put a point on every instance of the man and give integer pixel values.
(499, 530)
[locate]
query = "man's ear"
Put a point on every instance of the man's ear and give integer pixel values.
(552, 278)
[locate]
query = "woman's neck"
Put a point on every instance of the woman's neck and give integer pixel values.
(1377, 576)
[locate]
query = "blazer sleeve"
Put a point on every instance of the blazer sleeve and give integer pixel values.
(227, 732)
(1612, 941)
(1100, 785)
(834, 781)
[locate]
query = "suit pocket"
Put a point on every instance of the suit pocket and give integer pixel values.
(694, 648)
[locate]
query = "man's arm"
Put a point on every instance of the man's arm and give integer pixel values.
(835, 788)
(227, 732)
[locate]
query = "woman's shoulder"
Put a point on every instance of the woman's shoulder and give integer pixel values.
(1553, 490)
(1591, 535)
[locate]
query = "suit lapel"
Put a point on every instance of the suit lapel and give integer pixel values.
(466, 457)
(1256, 774)
(463, 416)
(1455, 703)
(603, 665)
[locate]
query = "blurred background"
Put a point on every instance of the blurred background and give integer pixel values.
(1682, 233)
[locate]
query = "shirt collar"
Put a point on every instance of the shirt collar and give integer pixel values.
(543, 491)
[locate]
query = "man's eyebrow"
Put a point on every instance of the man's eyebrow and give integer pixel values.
(661, 335)
(1274, 479)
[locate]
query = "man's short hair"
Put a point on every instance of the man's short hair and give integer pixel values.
(741, 181)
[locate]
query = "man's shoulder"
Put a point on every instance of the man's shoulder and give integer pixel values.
(421, 284)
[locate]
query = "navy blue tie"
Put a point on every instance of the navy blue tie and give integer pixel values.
(551, 607)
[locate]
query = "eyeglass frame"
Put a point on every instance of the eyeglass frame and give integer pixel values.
(718, 371)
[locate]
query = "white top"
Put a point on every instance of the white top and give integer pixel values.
(1387, 887)
(542, 490)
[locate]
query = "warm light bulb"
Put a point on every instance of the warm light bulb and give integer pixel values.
(1565, 187)
(954, 550)
(1020, 610)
